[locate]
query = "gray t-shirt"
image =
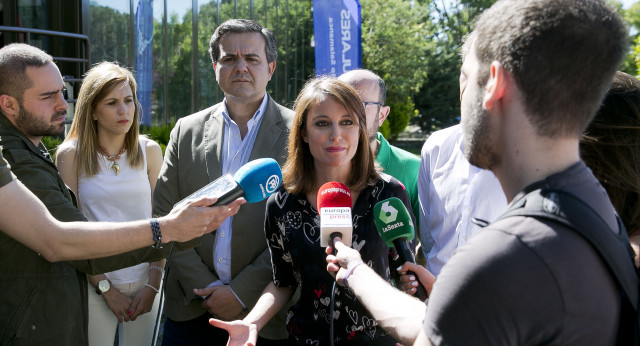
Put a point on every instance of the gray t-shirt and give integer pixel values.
(523, 281)
(5, 173)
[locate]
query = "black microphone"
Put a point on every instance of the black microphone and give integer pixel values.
(394, 224)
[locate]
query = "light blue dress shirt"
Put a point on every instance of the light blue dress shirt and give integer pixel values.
(235, 153)
(452, 192)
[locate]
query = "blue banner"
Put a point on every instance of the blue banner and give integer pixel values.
(337, 34)
(144, 57)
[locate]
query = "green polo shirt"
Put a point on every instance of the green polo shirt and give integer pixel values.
(403, 166)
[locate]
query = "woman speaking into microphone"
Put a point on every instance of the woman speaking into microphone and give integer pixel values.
(327, 143)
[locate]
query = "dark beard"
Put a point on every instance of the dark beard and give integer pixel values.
(478, 146)
(33, 126)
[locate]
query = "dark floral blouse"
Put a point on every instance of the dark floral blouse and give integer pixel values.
(292, 228)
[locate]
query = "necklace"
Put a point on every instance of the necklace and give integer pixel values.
(114, 159)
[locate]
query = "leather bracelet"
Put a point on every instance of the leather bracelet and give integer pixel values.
(349, 272)
(157, 235)
(158, 269)
(151, 287)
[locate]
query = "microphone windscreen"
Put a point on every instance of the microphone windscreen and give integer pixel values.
(259, 179)
(393, 220)
(334, 195)
(334, 206)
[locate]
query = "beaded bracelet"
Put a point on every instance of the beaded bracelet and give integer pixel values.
(158, 269)
(157, 235)
(349, 271)
(151, 287)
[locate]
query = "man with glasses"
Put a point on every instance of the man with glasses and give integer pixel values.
(394, 161)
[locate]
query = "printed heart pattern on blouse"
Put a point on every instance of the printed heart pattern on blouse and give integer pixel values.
(358, 245)
(311, 232)
(294, 219)
(369, 326)
(352, 314)
(276, 241)
(281, 198)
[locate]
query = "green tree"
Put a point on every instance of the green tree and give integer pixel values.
(178, 64)
(397, 40)
(438, 100)
(632, 17)
(289, 20)
(109, 34)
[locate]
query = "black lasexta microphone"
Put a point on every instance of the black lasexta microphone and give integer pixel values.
(394, 224)
(255, 181)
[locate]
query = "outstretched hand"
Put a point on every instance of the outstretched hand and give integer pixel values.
(195, 218)
(240, 332)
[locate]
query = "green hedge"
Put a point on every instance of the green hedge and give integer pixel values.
(159, 134)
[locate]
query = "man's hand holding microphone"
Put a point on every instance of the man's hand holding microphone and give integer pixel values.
(395, 227)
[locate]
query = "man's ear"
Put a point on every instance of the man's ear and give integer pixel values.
(496, 85)
(384, 113)
(9, 106)
(272, 68)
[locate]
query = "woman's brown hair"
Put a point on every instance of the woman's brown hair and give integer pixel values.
(298, 172)
(611, 147)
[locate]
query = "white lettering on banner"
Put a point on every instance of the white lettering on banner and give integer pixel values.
(345, 28)
(332, 48)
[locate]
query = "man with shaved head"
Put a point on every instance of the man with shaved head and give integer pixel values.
(394, 161)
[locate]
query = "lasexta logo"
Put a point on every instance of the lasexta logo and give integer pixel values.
(388, 213)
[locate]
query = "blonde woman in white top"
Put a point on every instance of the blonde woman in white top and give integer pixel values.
(113, 172)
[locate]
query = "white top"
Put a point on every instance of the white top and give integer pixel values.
(451, 193)
(123, 197)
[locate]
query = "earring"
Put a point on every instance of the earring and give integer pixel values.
(94, 117)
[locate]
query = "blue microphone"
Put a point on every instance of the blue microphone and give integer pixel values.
(255, 181)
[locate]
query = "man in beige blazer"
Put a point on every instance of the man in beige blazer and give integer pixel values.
(232, 266)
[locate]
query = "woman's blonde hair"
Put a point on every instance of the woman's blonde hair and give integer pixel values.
(298, 173)
(98, 82)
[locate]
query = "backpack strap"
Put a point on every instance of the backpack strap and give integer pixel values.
(613, 247)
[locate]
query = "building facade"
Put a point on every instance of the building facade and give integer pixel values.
(165, 42)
